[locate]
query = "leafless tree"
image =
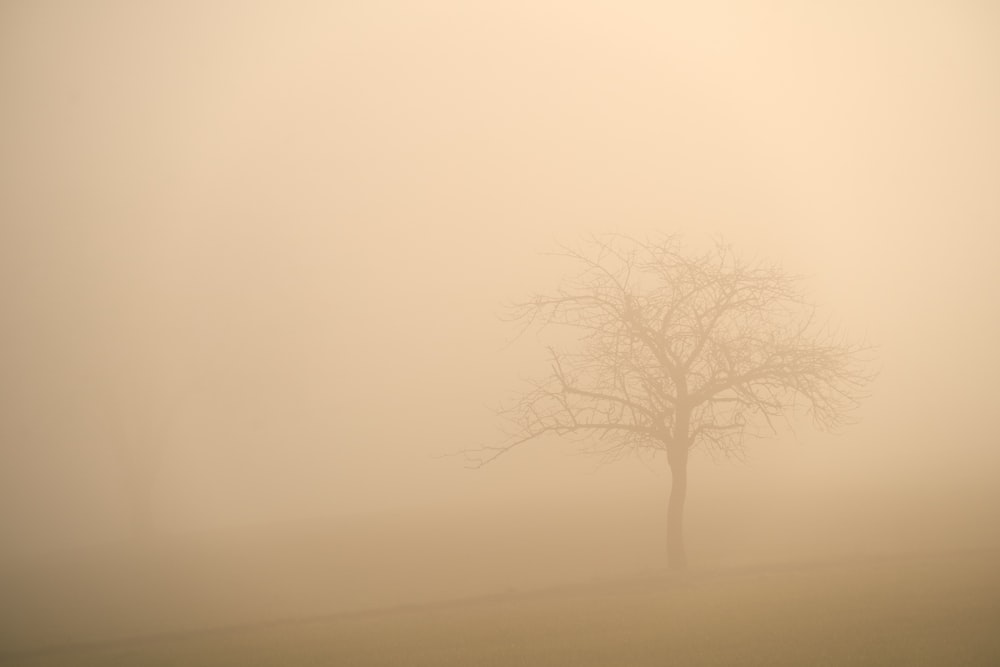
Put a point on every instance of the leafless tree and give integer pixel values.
(677, 350)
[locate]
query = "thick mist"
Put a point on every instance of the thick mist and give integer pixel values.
(254, 261)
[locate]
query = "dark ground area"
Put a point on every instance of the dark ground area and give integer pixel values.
(941, 609)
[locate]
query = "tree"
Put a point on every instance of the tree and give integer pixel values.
(676, 350)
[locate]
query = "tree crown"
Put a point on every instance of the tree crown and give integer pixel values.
(677, 349)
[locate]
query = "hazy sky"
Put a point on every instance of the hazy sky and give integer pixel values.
(272, 239)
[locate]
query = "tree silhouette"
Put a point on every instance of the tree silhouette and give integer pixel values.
(677, 350)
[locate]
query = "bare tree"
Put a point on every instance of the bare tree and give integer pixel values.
(675, 351)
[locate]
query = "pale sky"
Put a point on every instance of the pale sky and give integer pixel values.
(275, 238)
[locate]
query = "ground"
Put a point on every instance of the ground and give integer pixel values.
(941, 609)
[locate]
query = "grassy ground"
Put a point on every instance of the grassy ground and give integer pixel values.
(942, 610)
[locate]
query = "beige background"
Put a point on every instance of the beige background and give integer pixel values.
(272, 241)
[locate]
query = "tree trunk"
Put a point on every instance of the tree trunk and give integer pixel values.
(676, 555)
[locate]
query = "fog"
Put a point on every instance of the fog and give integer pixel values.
(263, 251)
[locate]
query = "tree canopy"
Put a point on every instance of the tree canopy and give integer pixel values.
(679, 350)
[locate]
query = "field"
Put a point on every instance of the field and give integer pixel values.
(902, 610)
